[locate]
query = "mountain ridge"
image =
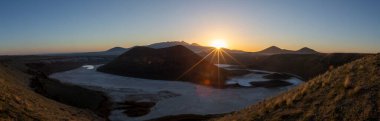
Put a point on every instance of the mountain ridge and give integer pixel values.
(274, 50)
(116, 51)
(277, 50)
(306, 50)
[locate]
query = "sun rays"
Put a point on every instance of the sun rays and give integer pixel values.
(215, 56)
(192, 67)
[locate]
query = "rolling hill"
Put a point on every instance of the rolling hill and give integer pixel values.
(306, 50)
(346, 93)
(305, 65)
(171, 63)
(276, 50)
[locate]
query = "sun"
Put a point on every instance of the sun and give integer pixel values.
(219, 43)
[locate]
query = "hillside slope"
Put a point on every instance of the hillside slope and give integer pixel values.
(307, 66)
(18, 102)
(349, 92)
(172, 63)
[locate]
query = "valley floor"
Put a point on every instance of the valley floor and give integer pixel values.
(170, 97)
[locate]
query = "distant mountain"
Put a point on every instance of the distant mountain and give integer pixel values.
(113, 51)
(277, 50)
(116, 49)
(274, 50)
(306, 50)
(199, 49)
(167, 44)
(171, 63)
(193, 47)
(195, 44)
(346, 93)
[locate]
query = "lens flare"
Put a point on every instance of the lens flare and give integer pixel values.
(219, 44)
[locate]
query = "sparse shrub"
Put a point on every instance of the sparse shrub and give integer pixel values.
(361, 67)
(304, 90)
(4, 113)
(278, 102)
(356, 90)
(297, 97)
(289, 101)
(324, 83)
(276, 105)
(347, 82)
(378, 63)
(331, 67)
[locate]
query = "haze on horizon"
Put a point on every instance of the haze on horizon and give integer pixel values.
(43, 26)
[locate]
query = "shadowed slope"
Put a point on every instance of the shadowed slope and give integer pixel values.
(305, 65)
(19, 102)
(172, 63)
(349, 92)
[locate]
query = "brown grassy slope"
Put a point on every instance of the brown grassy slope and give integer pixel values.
(18, 102)
(349, 92)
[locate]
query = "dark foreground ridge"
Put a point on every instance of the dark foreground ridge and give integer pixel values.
(18, 102)
(172, 63)
(349, 92)
(24, 86)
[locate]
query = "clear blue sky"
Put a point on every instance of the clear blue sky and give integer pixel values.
(48, 26)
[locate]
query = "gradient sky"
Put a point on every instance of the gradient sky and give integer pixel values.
(49, 26)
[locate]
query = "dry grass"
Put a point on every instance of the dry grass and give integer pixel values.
(19, 103)
(346, 93)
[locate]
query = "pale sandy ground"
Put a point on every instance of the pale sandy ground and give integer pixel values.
(192, 99)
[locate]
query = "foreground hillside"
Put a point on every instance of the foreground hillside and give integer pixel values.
(349, 92)
(19, 102)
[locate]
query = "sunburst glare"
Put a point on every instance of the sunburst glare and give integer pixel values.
(219, 43)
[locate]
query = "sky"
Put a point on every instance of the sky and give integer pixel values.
(55, 26)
